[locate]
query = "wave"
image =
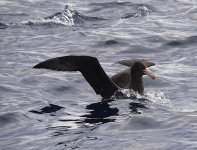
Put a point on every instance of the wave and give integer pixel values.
(141, 11)
(191, 40)
(64, 18)
(70, 17)
(67, 17)
(124, 9)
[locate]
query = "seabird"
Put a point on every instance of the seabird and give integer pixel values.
(131, 78)
(93, 72)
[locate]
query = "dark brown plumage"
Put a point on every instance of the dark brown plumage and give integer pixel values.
(131, 78)
(130, 62)
(95, 75)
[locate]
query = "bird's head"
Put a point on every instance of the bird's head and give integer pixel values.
(139, 69)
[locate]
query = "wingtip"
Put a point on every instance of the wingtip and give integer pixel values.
(37, 66)
(34, 67)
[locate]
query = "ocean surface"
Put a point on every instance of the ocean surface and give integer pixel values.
(49, 110)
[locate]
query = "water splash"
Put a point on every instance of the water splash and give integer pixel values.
(124, 94)
(158, 97)
(153, 96)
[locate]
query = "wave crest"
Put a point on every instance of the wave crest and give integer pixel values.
(66, 17)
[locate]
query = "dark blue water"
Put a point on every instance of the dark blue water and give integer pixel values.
(43, 109)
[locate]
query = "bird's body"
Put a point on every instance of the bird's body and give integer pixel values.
(122, 78)
(91, 69)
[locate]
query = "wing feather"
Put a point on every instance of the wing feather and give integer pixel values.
(130, 62)
(90, 69)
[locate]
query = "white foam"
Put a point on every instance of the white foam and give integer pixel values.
(62, 18)
(158, 97)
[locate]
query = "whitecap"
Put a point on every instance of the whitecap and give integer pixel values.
(65, 18)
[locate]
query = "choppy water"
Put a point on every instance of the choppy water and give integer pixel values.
(42, 109)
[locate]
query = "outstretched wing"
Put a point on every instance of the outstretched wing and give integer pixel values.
(90, 69)
(130, 62)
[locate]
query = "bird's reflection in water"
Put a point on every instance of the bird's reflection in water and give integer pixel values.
(97, 113)
(100, 113)
(136, 107)
(48, 109)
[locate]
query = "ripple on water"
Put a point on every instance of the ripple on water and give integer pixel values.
(188, 41)
(137, 124)
(8, 120)
(128, 133)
